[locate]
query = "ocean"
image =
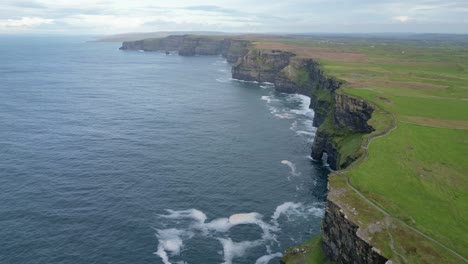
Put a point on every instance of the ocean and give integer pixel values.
(110, 156)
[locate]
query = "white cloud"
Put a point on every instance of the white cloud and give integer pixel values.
(402, 19)
(25, 22)
(104, 22)
(118, 16)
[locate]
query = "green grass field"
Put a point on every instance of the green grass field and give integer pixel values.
(419, 172)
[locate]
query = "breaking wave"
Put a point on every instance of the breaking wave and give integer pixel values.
(292, 166)
(171, 241)
(294, 107)
(266, 259)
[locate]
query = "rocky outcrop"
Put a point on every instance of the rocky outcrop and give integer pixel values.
(261, 65)
(352, 113)
(345, 113)
(235, 49)
(323, 145)
(170, 43)
(132, 45)
(201, 46)
(187, 45)
(341, 241)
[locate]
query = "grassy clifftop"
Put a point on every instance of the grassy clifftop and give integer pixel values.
(418, 173)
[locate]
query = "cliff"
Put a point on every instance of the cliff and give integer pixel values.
(337, 115)
(347, 116)
(170, 43)
(188, 45)
(342, 242)
(341, 119)
(260, 65)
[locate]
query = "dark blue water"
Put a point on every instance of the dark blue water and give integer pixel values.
(96, 144)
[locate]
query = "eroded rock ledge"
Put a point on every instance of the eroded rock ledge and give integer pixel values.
(341, 242)
(337, 115)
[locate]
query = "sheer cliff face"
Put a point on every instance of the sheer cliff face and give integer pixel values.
(170, 43)
(261, 66)
(352, 113)
(231, 49)
(201, 46)
(347, 113)
(341, 242)
(334, 112)
(234, 49)
(304, 76)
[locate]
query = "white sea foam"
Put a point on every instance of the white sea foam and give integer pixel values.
(266, 259)
(307, 133)
(266, 86)
(219, 225)
(243, 81)
(273, 110)
(305, 103)
(194, 214)
(289, 209)
(315, 211)
(222, 80)
(249, 218)
(224, 224)
(233, 250)
(293, 126)
(267, 98)
(170, 240)
(285, 116)
(292, 166)
(285, 208)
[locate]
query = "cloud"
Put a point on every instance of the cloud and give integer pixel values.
(402, 19)
(25, 22)
(213, 9)
(107, 17)
(28, 4)
(104, 22)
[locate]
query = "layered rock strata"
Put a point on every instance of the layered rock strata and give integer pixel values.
(341, 240)
(187, 45)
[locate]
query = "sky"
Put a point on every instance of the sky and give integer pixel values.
(256, 16)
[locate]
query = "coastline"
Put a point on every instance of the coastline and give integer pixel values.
(355, 229)
(288, 74)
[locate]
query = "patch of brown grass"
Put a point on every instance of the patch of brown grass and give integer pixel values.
(410, 85)
(435, 122)
(353, 83)
(385, 100)
(313, 52)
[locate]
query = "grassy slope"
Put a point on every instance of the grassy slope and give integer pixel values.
(312, 253)
(418, 173)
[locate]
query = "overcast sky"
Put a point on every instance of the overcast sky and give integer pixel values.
(339, 16)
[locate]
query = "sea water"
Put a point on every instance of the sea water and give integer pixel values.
(111, 156)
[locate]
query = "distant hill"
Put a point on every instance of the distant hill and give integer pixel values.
(159, 34)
